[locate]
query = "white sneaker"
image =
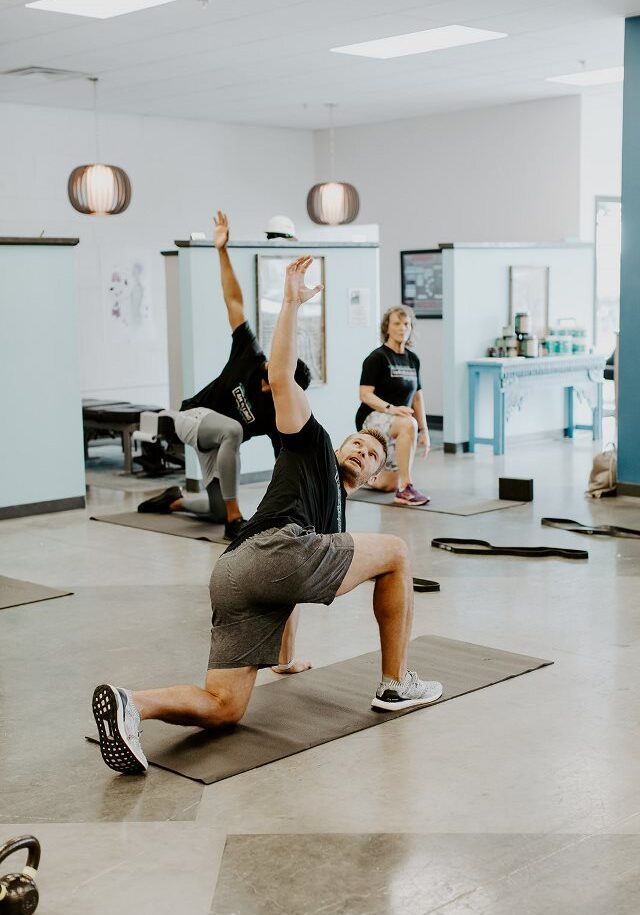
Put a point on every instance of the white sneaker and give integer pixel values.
(118, 722)
(409, 692)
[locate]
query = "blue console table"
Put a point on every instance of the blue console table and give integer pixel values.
(511, 378)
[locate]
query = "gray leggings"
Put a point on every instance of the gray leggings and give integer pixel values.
(209, 503)
(224, 435)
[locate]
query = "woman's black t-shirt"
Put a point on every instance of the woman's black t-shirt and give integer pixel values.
(395, 378)
(305, 488)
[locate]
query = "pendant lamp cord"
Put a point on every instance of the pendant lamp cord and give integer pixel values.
(94, 80)
(332, 142)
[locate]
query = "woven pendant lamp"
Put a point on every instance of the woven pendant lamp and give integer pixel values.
(99, 189)
(332, 203)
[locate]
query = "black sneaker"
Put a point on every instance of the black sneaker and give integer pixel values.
(160, 504)
(409, 692)
(233, 529)
(118, 723)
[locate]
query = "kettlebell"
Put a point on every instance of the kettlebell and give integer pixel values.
(18, 892)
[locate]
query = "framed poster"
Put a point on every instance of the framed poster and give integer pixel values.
(270, 276)
(421, 277)
(529, 291)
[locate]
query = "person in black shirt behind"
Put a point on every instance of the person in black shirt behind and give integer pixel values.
(231, 409)
(293, 550)
(392, 402)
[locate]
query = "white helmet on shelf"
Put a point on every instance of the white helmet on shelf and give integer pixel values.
(280, 227)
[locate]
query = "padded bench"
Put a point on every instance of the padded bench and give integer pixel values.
(89, 405)
(109, 417)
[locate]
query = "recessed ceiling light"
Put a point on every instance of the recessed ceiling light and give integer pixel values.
(95, 9)
(448, 36)
(590, 77)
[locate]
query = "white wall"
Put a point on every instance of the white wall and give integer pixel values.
(505, 173)
(600, 153)
(181, 171)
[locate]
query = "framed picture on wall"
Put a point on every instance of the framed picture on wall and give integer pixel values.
(421, 278)
(529, 291)
(270, 275)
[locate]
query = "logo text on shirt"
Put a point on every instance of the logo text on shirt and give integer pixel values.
(402, 371)
(339, 502)
(242, 403)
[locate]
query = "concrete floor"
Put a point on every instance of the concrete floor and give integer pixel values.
(523, 797)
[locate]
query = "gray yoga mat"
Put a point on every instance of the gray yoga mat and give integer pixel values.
(14, 592)
(124, 482)
(176, 523)
(453, 503)
(309, 709)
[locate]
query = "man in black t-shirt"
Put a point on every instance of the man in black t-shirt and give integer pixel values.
(293, 550)
(231, 409)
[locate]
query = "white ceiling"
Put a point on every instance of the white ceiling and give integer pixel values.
(268, 61)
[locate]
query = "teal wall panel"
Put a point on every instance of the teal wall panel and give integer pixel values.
(41, 453)
(629, 356)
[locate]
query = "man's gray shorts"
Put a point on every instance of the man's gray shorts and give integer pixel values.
(255, 587)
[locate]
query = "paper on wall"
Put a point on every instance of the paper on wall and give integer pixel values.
(128, 298)
(359, 309)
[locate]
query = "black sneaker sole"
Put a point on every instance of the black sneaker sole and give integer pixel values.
(115, 751)
(411, 504)
(379, 705)
(425, 584)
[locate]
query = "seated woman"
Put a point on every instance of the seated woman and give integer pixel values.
(392, 402)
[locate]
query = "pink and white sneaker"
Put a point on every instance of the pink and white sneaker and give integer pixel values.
(410, 496)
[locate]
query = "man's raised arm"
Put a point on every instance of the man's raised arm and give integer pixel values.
(230, 286)
(292, 406)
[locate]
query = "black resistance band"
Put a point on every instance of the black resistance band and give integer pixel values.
(602, 530)
(484, 548)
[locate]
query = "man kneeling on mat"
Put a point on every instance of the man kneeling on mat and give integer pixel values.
(293, 550)
(234, 407)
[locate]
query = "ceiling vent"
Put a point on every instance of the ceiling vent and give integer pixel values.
(43, 74)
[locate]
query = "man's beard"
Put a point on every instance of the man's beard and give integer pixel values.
(348, 474)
